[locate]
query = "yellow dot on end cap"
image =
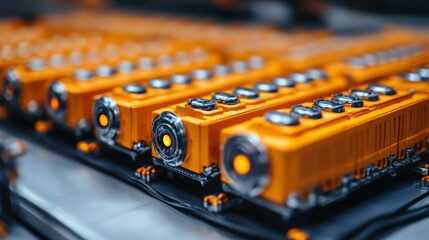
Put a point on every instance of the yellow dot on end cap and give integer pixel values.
(103, 120)
(166, 140)
(296, 234)
(241, 164)
(54, 103)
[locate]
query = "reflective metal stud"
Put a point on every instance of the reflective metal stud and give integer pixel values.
(83, 74)
(356, 62)
(181, 79)
(256, 62)
(159, 84)
(225, 98)
(134, 88)
(381, 89)
(351, 101)
(423, 72)
(283, 82)
(412, 77)
(300, 78)
(145, 63)
(266, 87)
(201, 74)
(307, 112)
(221, 70)
(105, 71)
(125, 67)
(246, 92)
(317, 74)
(327, 105)
(36, 64)
(56, 60)
(239, 66)
(203, 104)
(281, 118)
(365, 94)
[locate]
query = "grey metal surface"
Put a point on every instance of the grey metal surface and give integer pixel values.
(65, 199)
(417, 230)
(16, 231)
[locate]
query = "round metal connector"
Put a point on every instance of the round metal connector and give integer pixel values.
(106, 119)
(56, 103)
(169, 138)
(245, 163)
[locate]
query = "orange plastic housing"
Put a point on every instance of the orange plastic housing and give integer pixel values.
(385, 62)
(234, 41)
(328, 50)
(81, 92)
(29, 81)
(46, 45)
(410, 79)
(135, 110)
(320, 152)
(203, 127)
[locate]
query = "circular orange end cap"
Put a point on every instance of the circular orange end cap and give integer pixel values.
(241, 164)
(54, 103)
(166, 140)
(103, 120)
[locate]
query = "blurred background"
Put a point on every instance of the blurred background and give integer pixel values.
(336, 14)
(341, 16)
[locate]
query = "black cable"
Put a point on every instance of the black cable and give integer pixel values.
(197, 211)
(368, 229)
(382, 222)
(402, 218)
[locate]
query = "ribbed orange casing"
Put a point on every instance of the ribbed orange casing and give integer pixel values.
(136, 111)
(320, 152)
(360, 75)
(80, 93)
(203, 127)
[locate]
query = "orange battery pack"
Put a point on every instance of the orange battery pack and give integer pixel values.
(74, 93)
(192, 128)
(129, 112)
(292, 157)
